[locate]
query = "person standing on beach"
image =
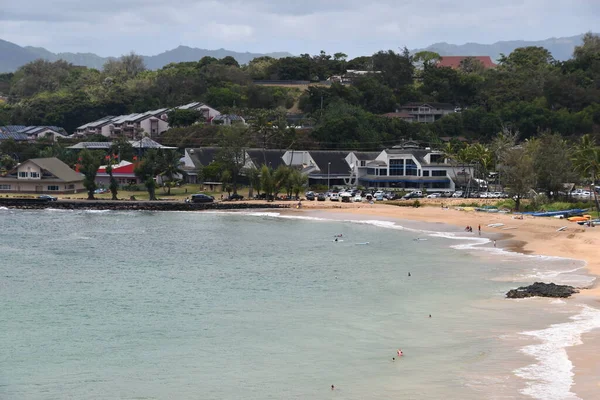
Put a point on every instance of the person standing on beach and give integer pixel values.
(494, 243)
(479, 230)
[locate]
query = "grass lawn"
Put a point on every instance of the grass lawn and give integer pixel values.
(177, 194)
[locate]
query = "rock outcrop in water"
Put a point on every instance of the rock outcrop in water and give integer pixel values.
(541, 289)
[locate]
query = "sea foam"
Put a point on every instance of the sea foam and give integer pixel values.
(551, 377)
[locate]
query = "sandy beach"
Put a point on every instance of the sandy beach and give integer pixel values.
(532, 235)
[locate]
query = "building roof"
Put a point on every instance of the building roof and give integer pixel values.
(98, 123)
(366, 155)
(57, 168)
(123, 168)
(454, 61)
(419, 154)
(400, 114)
(443, 106)
(91, 145)
(147, 143)
(231, 117)
(338, 166)
(202, 156)
(269, 157)
(13, 135)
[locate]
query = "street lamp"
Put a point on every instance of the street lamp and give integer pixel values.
(328, 167)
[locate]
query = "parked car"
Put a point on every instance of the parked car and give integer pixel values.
(334, 197)
(235, 196)
(434, 196)
(447, 193)
(202, 198)
(310, 196)
(357, 198)
(47, 197)
(379, 196)
(413, 195)
(458, 193)
(321, 197)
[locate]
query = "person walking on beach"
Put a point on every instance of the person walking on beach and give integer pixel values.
(494, 243)
(479, 230)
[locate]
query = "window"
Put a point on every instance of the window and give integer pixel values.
(438, 173)
(425, 173)
(382, 172)
(70, 187)
(53, 188)
(363, 163)
(411, 168)
(370, 171)
(4, 187)
(436, 158)
(34, 174)
(396, 167)
(22, 174)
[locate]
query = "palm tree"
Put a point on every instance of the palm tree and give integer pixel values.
(170, 166)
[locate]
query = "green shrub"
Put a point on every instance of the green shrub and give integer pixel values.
(416, 204)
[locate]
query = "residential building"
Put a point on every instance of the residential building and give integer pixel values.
(142, 144)
(153, 123)
(350, 76)
(454, 61)
(123, 172)
(31, 133)
(42, 175)
(207, 111)
(426, 112)
(410, 166)
(228, 119)
(403, 115)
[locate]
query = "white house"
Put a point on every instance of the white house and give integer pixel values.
(410, 167)
(154, 122)
(208, 112)
(42, 175)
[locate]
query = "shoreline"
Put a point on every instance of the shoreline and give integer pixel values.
(529, 236)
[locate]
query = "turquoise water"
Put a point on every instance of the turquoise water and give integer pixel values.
(135, 305)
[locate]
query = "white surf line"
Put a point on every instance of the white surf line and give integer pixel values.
(551, 377)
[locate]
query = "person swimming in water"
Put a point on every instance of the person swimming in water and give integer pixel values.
(332, 387)
(409, 274)
(336, 239)
(400, 353)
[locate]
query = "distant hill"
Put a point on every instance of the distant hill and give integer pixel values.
(13, 56)
(561, 48)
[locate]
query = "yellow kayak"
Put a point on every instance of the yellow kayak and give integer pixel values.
(579, 219)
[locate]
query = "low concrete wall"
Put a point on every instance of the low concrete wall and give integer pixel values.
(25, 203)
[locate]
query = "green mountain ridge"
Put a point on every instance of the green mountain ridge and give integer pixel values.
(13, 56)
(561, 48)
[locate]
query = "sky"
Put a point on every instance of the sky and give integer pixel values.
(354, 27)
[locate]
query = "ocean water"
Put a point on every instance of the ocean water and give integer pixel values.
(150, 305)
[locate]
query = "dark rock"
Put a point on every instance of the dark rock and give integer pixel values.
(541, 289)
(25, 203)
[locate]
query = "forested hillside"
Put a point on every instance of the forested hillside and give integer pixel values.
(529, 92)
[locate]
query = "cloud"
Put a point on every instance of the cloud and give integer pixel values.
(356, 27)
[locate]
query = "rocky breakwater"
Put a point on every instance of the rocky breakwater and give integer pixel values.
(129, 205)
(540, 289)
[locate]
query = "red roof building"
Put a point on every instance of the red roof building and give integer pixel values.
(454, 61)
(123, 172)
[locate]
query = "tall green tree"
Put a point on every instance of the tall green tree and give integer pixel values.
(232, 151)
(517, 172)
(170, 167)
(552, 163)
(89, 162)
(146, 170)
(113, 185)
